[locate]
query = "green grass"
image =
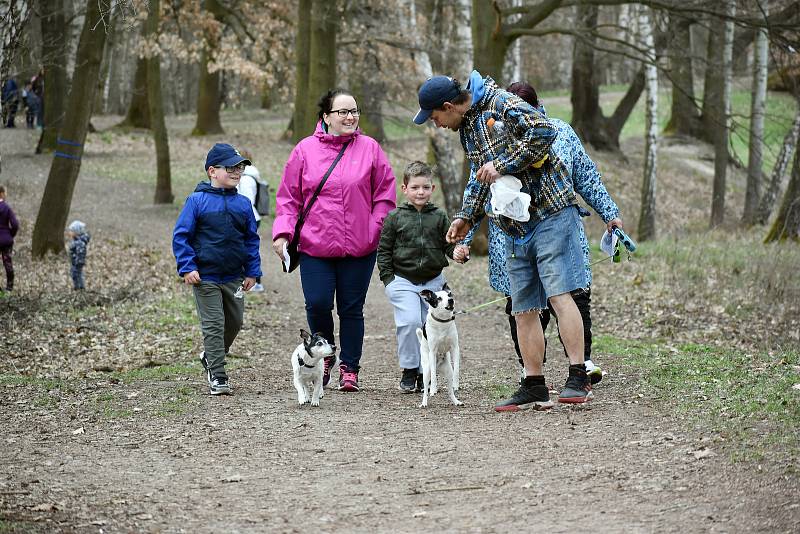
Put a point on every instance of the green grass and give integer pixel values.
(178, 403)
(158, 373)
(742, 396)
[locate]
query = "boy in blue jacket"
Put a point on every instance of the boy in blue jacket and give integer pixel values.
(216, 246)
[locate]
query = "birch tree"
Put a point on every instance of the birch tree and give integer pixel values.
(647, 215)
(13, 17)
(787, 222)
(772, 191)
(721, 122)
(757, 109)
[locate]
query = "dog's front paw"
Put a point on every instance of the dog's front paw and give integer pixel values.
(458, 403)
(423, 405)
(315, 402)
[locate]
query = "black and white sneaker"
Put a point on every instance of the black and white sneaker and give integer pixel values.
(204, 363)
(532, 394)
(408, 382)
(219, 386)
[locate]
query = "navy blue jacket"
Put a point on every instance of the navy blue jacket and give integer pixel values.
(216, 235)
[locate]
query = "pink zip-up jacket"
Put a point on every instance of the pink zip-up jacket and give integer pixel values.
(347, 217)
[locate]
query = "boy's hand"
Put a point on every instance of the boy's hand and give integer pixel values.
(458, 230)
(248, 283)
(191, 278)
(461, 253)
(277, 246)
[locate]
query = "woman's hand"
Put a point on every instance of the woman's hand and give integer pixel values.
(278, 245)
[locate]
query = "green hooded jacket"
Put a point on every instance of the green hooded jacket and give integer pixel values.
(413, 244)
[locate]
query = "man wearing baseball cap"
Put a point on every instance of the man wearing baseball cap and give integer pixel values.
(543, 255)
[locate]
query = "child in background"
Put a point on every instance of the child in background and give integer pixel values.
(249, 188)
(216, 244)
(8, 229)
(78, 242)
(412, 252)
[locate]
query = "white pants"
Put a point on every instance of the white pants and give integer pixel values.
(410, 311)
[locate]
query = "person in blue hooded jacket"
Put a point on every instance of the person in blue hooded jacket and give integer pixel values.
(216, 246)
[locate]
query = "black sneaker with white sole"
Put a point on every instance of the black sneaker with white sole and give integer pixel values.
(219, 386)
(408, 382)
(532, 394)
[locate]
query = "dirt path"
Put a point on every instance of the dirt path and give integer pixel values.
(366, 462)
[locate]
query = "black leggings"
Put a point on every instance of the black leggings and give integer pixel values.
(583, 299)
(5, 253)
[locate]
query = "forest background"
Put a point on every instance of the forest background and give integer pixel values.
(689, 108)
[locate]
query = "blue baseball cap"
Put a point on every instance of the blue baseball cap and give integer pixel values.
(224, 155)
(433, 94)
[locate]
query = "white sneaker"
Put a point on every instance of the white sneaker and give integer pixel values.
(595, 373)
(258, 288)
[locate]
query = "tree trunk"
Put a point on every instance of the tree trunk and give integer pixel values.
(489, 46)
(163, 193)
(54, 61)
(684, 118)
(587, 115)
(722, 115)
(779, 170)
(368, 89)
(787, 223)
(712, 83)
(209, 97)
(757, 109)
(138, 115)
(322, 61)
(302, 49)
(208, 100)
(48, 232)
(647, 215)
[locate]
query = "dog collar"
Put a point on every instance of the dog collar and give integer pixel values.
(304, 364)
(452, 318)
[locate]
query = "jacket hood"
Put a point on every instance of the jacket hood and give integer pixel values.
(206, 187)
(477, 85)
(331, 139)
(409, 206)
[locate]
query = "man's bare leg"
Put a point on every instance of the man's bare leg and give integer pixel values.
(570, 326)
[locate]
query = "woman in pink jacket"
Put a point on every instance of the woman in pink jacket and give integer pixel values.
(339, 239)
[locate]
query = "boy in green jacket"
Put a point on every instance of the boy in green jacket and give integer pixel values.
(411, 255)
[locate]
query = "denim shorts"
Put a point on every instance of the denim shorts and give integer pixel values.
(547, 262)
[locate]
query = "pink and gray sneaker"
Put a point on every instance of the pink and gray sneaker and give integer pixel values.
(348, 379)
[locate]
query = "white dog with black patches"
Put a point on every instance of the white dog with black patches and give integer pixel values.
(438, 345)
(308, 367)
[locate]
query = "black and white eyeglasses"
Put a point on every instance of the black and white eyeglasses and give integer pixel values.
(344, 112)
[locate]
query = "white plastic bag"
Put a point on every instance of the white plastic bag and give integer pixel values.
(508, 199)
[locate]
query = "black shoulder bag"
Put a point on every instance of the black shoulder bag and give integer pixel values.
(294, 255)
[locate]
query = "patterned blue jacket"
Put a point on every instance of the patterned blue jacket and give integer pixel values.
(77, 249)
(586, 181)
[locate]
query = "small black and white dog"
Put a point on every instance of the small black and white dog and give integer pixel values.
(438, 345)
(307, 367)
